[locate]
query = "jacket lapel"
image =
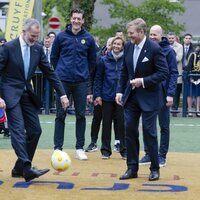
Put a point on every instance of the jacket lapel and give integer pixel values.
(17, 52)
(130, 59)
(142, 54)
(33, 57)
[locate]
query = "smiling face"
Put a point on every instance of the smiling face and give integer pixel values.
(155, 33)
(135, 35)
(77, 21)
(117, 45)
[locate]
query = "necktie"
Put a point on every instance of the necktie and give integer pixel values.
(135, 55)
(185, 55)
(47, 52)
(26, 59)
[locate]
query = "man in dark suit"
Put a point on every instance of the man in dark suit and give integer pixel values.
(187, 50)
(139, 90)
(18, 61)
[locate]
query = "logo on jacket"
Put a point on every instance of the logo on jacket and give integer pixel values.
(82, 41)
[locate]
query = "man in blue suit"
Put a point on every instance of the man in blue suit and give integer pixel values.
(18, 61)
(139, 91)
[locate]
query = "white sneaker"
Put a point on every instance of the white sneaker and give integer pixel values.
(80, 154)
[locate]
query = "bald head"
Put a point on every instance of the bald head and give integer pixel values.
(156, 33)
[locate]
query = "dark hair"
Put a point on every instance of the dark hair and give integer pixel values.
(77, 10)
(3, 40)
(188, 34)
(171, 33)
(51, 32)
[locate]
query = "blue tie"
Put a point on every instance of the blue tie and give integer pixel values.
(26, 59)
(135, 56)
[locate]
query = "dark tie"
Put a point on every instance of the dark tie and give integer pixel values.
(26, 59)
(47, 52)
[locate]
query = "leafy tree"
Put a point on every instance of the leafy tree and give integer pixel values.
(64, 7)
(152, 11)
(88, 7)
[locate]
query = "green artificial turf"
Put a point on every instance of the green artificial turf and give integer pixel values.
(185, 134)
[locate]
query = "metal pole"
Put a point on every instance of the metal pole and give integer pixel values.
(38, 14)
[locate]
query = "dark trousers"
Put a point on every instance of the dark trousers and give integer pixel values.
(47, 96)
(96, 122)
(25, 129)
(164, 123)
(177, 96)
(111, 109)
(79, 94)
(132, 113)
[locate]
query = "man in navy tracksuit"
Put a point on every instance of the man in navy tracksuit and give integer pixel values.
(169, 89)
(73, 57)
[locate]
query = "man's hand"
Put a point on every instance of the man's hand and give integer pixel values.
(2, 103)
(64, 102)
(89, 98)
(137, 82)
(118, 99)
(169, 101)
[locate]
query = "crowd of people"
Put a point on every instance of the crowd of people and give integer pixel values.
(127, 82)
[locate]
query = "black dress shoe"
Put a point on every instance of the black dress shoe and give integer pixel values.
(129, 174)
(34, 173)
(16, 174)
(154, 176)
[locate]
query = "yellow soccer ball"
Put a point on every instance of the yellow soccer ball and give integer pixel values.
(60, 161)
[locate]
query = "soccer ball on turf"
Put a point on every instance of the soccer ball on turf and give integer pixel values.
(60, 161)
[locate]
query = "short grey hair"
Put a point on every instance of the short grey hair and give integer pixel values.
(139, 23)
(28, 23)
(171, 33)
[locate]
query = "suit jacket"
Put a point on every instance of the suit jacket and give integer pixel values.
(12, 71)
(152, 67)
(178, 48)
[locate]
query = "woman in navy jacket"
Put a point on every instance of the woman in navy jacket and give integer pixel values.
(105, 86)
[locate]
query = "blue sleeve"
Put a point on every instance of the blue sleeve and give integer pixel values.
(173, 73)
(55, 52)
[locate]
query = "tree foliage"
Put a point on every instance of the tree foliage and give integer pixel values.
(152, 11)
(64, 7)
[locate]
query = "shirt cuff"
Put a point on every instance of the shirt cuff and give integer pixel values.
(63, 96)
(142, 80)
(119, 94)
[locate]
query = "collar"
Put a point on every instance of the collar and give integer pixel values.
(141, 44)
(22, 42)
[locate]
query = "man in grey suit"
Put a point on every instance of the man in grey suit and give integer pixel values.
(139, 91)
(18, 61)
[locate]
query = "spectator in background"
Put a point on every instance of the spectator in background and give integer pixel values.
(52, 35)
(193, 67)
(47, 86)
(120, 33)
(73, 56)
(169, 89)
(187, 50)
(2, 41)
(178, 48)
